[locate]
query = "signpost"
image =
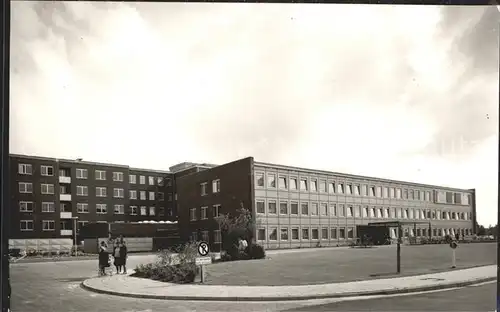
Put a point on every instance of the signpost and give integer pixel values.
(453, 246)
(203, 250)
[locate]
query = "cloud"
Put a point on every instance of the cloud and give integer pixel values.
(400, 92)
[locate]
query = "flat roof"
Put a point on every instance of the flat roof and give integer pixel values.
(346, 175)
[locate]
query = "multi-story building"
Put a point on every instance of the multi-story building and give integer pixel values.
(51, 195)
(297, 207)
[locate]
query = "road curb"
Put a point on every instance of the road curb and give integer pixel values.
(405, 290)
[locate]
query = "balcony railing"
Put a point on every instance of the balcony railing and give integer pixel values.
(65, 197)
(66, 215)
(66, 232)
(65, 180)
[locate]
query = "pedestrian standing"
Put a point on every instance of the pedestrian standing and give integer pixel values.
(123, 256)
(116, 256)
(103, 259)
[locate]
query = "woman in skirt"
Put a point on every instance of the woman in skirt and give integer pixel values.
(103, 258)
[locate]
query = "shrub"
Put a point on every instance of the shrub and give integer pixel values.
(257, 252)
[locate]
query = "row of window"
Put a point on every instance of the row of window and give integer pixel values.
(29, 206)
(101, 175)
(49, 225)
(216, 234)
(336, 233)
(334, 187)
(204, 213)
(215, 187)
(358, 211)
(49, 189)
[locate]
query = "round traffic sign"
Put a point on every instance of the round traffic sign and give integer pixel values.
(453, 245)
(203, 249)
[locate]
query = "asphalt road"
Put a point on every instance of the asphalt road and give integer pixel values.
(56, 287)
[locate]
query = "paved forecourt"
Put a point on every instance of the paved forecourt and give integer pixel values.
(124, 285)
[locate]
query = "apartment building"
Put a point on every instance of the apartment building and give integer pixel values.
(50, 196)
(298, 207)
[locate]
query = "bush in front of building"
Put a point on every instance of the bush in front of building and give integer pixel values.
(179, 267)
(256, 251)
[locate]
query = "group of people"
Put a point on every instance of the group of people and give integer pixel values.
(118, 256)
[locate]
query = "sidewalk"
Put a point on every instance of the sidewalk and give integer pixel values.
(123, 285)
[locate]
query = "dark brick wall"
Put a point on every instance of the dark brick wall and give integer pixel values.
(235, 190)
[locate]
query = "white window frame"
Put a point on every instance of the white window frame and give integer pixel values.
(216, 210)
(287, 234)
(151, 180)
(99, 175)
(192, 214)
(99, 209)
(82, 208)
(24, 206)
(25, 169)
(99, 191)
(118, 192)
(132, 179)
(26, 222)
(216, 186)
(152, 211)
(151, 196)
(118, 176)
(82, 188)
(82, 174)
(133, 210)
(120, 208)
(48, 222)
(142, 195)
(142, 180)
(47, 186)
(24, 187)
(204, 189)
(132, 194)
(269, 212)
(160, 181)
(48, 204)
(44, 170)
(261, 175)
(203, 213)
(217, 237)
(263, 202)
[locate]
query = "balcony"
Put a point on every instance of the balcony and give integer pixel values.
(65, 197)
(66, 215)
(65, 180)
(66, 232)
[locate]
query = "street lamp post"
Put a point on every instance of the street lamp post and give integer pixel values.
(74, 235)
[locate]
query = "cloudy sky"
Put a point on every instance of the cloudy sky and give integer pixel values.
(403, 92)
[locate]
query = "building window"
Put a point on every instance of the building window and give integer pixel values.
(388, 213)
(342, 233)
(143, 211)
(151, 195)
(81, 224)
(100, 192)
(350, 211)
(381, 213)
(82, 174)
(392, 192)
(159, 181)
(315, 234)
(152, 211)
(357, 211)
(133, 194)
(259, 179)
(119, 209)
(405, 194)
(151, 180)
(118, 193)
(217, 237)
(142, 179)
(82, 190)
(303, 184)
(48, 207)
(305, 233)
(398, 193)
(274, 234)
(373, 212)
(261, 234)
(322, 186)
(118, 176)
(293, 184)
(216, 211)
(132, 179)
(282, 183)
(216, 186)
(26, 206)
(333, 233)
(271, 180)
(284, 208)
(100, 175)
(295, 234)
(261, 207)
(47, 188)
(304, 209)
(378, 191)
(348, 189)
(101, 208)
(161, 211)
(203, 188)
(294, 208)
(350, 233)
(161, 196)
(204, 236)
(25, 169)
(194, 236)
(385, 192)
(47, 171)
(417, 194)
(357, 190)
(324, 233)
(324, 209)
(340, 188)
(314, 209)
(192, 214)
(133, 210)
(331, 187)
(142, 195)
(333, 210)
(203, 213)
(314, 185)
(411, 195)
(82, 207)
(341, 210)
(48, 225)
(284, 234)
(271, 207)
(372, 191)
(170, 197)
(25, 187)
(364, 190)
